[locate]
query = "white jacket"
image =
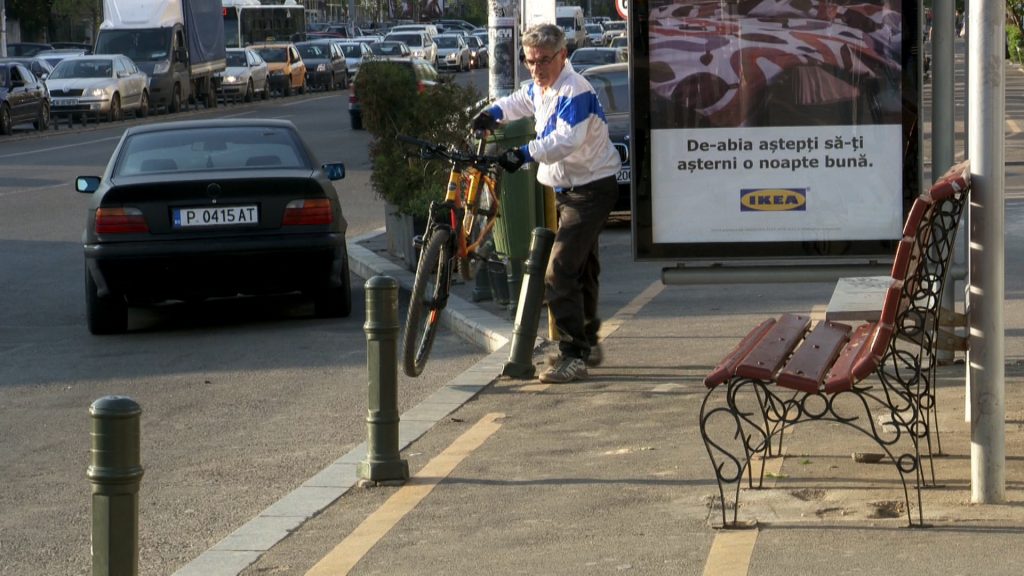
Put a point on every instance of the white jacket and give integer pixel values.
(572, 145)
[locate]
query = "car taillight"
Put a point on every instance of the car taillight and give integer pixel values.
(120, 221)
(420, 88)
(308, 212)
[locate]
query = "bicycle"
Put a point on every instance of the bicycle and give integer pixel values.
(457, 229)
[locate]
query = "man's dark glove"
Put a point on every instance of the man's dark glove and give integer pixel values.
(484, 121)
(512, 160)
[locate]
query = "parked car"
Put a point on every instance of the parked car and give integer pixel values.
(620, 42)
(420, 43)
(478, 55)
(450, 26)
(453, 52)
(595, 34)
(326, 65)
(390, 49)
(103, 85)
(584, 58)
(246, 76)
(429, 29)
(72, 46)
(195, 209)
(27, 48)
(611, 82)
(54, 57)
(37, 66)
(426, 76)
(23, 98)
(285, 66)
(613, 28)
(355, 54)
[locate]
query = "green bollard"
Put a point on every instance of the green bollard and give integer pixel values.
(115, 474)
(520, 360)
(383, 461)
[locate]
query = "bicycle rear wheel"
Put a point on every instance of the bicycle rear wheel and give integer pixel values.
(429, 297)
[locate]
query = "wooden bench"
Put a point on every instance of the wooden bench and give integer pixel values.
(790, 370)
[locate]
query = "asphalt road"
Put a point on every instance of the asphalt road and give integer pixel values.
(242, 399)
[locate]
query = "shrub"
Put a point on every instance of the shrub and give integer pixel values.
(394, 103)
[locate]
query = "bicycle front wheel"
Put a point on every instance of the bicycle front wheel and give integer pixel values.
(429, 297)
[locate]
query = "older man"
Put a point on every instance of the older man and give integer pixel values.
(575, 157)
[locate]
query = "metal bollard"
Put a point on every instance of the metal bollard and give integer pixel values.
(115, 474)
(520, 359)
(383, 461)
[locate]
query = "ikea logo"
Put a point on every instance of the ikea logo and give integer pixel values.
(773, 199)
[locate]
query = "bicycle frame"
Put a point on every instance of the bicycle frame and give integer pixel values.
(462, 192)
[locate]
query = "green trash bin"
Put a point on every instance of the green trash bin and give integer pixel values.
(522, 207)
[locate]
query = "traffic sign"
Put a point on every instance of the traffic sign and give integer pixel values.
(622, 7)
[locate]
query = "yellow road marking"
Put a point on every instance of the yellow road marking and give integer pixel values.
(730, 553)
(353, 548)
(608, 327)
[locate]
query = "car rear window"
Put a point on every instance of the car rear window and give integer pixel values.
(213, 148)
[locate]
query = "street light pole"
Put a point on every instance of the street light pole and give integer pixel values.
(3, 28)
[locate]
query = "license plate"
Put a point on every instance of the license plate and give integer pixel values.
(65, 101)
(216, 216)
(624, 176)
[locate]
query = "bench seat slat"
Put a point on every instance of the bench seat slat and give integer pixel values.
(765, 359)
(727, 367)
(841, 377)
(807, 367)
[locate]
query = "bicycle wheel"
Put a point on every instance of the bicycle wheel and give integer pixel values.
(432, 274)
(477, 224)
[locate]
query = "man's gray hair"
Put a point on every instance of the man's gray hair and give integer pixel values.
(544, 36)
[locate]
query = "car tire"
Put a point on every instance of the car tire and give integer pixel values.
(357, 121)
(265, 95)
(331, 84)
(104, 314)
(6, 124)
(344, 81)
(302, 87)
(175, 105)
(143, 110)
(42, 121)
(114, 115)
(335, 301)
(287, 91)
(249, 91)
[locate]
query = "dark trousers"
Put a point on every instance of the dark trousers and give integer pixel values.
(571, 281)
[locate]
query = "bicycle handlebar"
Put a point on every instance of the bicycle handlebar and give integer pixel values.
(457, 156)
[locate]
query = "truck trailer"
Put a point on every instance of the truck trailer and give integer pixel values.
(178, 43)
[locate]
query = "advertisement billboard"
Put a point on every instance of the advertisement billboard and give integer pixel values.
(773, 128)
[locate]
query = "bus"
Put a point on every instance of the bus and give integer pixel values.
(248, 22)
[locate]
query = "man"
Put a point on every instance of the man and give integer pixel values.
(576, 158)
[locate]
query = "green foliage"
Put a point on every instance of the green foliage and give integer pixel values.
(393, 104)
(1013, 42)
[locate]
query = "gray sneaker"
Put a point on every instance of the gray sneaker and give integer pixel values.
(596, 355)
(565, 370)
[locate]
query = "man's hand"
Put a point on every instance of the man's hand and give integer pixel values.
(484, 121)
(512, 160)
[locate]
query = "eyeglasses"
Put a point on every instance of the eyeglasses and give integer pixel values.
(543, 61)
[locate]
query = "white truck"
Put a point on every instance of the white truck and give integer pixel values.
(178, 43)
(570, 19)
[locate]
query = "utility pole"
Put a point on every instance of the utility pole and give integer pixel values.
(3, 28)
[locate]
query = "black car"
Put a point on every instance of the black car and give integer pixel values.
(23, 98)
(27, 48)
(611, 82)
(39, 67)
(212, 208)
(326, 66)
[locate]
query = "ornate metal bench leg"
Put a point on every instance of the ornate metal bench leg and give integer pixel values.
(728, 466)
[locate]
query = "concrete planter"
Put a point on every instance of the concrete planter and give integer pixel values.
(400, 230)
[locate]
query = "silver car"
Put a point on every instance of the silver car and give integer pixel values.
(355, 54)
(104, 86)
(245, 77)
(452, 52)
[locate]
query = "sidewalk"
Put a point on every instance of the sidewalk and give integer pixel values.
(610, 475)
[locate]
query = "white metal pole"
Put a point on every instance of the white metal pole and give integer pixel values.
(3, 28)
(986, 117)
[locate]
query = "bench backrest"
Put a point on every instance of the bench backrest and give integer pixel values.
(920, 269)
